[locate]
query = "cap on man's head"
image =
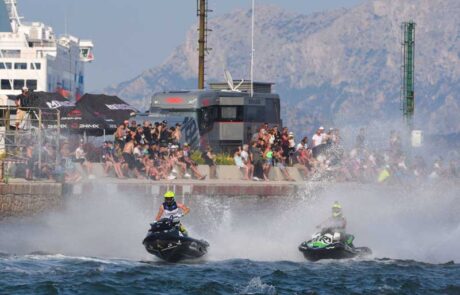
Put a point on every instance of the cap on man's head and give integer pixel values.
(321, 128)
(185, 144)
(25, 88)
(126, 122)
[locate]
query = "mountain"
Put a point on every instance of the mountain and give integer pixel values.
(337, 67)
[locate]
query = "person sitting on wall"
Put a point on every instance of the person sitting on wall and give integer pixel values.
(184, 157)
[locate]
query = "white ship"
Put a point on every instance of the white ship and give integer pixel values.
(32, 56)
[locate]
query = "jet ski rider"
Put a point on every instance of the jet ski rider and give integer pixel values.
(171, 208)
(337, 223)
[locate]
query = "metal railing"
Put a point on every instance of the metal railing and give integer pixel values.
(28, 139)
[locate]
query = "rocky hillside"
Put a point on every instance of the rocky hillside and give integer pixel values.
(336, 67)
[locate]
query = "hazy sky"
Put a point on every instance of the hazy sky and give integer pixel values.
(131, 36)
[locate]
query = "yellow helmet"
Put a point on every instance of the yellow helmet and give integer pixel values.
(336, 209)
(169, 194)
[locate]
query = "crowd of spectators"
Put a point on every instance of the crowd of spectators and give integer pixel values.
(154, 151)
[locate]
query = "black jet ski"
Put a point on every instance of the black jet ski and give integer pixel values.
(332, 245)
(165, 241)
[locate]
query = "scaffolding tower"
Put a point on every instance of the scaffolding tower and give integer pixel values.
(202, 13)
(407, 72)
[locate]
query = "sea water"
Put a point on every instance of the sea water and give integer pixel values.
(93, 245)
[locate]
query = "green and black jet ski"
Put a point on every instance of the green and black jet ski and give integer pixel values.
(329, 244)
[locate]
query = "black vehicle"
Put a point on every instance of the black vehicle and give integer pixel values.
(331, 245)
(222, 117)
(165, 241)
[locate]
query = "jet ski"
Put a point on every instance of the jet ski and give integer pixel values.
(331, 245)
(165, 241)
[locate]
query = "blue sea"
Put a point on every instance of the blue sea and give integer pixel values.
(58, 274)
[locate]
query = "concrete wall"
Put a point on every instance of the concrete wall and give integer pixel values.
(28, 198)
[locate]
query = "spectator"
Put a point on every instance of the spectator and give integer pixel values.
(146, 131)
(317, 142)
(317, 138)
(240, 164)
(120, 135)
(22, 102)
(190, 164)
(257, 159)
(210, 160)
(268, 161)
(281, 164)
(80, 157)
(291, 149)
(128, 155)
(245, 156)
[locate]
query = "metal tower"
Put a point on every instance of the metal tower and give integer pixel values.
(407, 72)
(202, 13)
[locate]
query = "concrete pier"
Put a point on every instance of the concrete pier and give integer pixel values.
(24, 198)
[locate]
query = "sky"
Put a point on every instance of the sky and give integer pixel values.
(131, 36)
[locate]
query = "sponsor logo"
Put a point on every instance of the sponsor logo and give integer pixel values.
(55, 104)
(121, 106)
(74, 113)
(174, 100)
(89, 126)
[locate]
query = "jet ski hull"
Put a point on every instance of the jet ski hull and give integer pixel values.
(174, 248)
(333, 251)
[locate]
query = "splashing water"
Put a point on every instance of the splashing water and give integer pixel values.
(420, 223)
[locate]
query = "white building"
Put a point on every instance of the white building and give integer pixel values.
(31, 55)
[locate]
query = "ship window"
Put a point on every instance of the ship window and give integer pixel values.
(5, 66)
(35, 65)
(20, 66)
(31, 84)
(18, 84)
(6, 84)
(11, 53)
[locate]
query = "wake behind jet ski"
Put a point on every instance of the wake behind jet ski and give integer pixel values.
(168, 239)
(332, 242)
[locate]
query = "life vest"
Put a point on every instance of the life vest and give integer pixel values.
(170, 209)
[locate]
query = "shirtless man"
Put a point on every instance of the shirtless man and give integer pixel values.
(128, 155)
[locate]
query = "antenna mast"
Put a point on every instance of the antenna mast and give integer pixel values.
(407, 69)
(15, 19)
(202, 13)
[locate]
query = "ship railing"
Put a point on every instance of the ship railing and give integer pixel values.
(33, 131)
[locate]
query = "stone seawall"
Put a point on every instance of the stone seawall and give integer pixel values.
(28, 198)
(211, 188)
